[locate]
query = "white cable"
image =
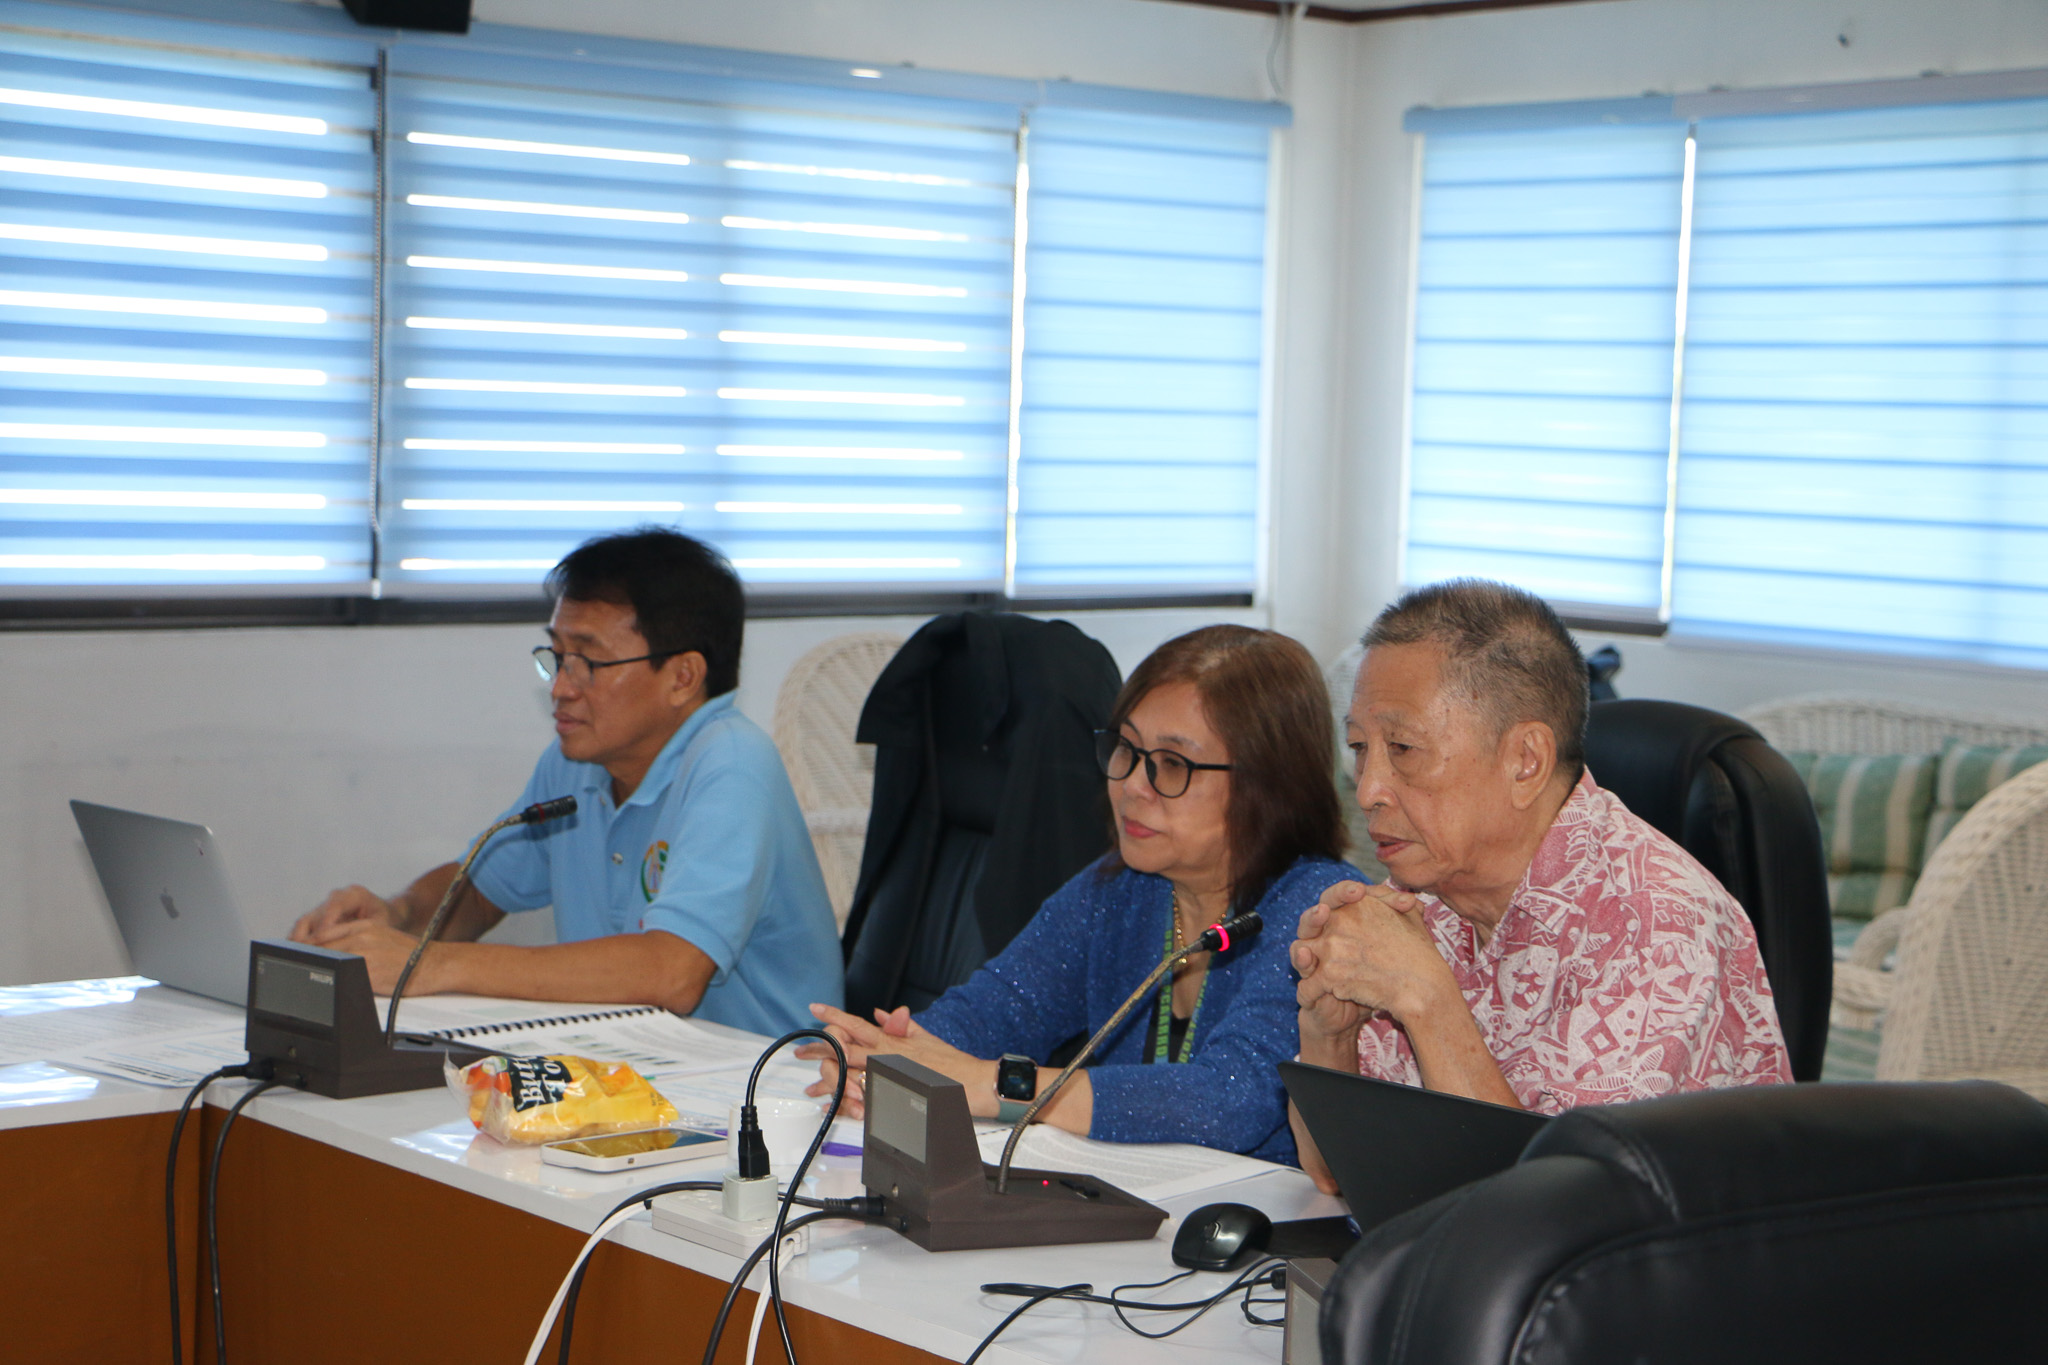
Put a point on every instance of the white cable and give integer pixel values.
(547, 1322)
(786, 1253)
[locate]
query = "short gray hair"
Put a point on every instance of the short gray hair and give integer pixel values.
(1505, 651)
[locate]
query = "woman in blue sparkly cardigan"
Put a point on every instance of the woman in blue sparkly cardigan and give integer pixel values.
(1218, 763)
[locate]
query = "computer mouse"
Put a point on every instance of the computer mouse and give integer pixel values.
(1220, 1236)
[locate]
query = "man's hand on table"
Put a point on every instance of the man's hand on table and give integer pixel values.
(347, 906)
(356, 920)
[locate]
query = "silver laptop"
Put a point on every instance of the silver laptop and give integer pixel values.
(169, 893)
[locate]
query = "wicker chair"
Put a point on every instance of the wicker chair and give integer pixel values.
(1970, 996)
(815, 715)
(1830, 723)
(1851, 724)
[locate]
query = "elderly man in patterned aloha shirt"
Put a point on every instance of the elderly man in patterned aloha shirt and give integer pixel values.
(1536, 944)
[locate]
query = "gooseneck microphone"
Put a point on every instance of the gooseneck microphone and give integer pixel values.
(1216, 938)
(539, 813)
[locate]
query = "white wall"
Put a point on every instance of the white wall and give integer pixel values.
(1614, 49)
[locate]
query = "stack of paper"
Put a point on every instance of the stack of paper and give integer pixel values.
(1150, 1170)
(160, 1037)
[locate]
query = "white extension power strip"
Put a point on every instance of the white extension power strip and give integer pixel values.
(696, 1216)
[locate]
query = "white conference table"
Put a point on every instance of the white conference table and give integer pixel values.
(306, 1179)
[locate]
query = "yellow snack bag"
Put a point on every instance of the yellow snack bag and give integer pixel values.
(530, 1100)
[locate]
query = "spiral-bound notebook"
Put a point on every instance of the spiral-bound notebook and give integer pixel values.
(654, 1041)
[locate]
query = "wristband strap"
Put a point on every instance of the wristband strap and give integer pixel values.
(1009, 1111)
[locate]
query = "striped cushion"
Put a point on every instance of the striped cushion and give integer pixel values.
(1873, 812)
(1966, 774)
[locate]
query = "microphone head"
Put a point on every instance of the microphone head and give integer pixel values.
(1237, 929)
(542, 811)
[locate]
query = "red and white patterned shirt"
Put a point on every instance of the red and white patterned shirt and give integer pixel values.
(1621, 971)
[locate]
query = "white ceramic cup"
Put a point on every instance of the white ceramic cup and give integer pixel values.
(788, 1126)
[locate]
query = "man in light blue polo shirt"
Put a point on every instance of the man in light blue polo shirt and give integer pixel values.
(686, 878)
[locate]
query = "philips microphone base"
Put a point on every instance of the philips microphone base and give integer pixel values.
(920, 1158)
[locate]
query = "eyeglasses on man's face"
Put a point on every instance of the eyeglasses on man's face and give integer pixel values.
(1167, 771)
(578, 668)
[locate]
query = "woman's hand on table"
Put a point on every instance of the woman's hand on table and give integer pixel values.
(892, 1032)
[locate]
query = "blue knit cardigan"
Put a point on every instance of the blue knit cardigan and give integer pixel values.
(1087, 948)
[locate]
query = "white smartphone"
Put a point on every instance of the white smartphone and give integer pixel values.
(629, 1151)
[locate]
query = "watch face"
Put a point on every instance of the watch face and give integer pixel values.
(1016, 1078)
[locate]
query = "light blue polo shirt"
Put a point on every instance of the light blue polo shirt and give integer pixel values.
(711, 847)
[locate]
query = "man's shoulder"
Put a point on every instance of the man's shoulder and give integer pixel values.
(1603, 864)
(730, 741)
(1632, 860)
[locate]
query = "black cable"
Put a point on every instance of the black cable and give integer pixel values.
(1245, 1281)
(647, 1197)
(1246, 1304)
(863, 1207)
(732, 1291)
(796, 1177)
(1263, 1271)
(1063, 1291)
(171, 1203)
(220, 1327)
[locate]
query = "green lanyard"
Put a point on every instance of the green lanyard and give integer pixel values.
(1164, 1028)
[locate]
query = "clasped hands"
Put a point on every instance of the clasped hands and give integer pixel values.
(1359, 950)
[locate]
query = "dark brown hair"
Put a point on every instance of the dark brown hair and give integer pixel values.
(684, 595)
(1505, 652)
(1264, 696)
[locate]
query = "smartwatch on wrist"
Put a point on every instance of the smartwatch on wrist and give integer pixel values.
(1016, 1086)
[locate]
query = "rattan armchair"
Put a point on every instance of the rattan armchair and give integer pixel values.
(1969, 998)
(1864, 989)
(815, 715)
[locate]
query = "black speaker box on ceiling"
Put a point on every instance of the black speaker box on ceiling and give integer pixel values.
(435, 16)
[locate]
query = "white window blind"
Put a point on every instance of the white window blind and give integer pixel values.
(1143, 307)
(771, 300)
(1544, 324)
(185, 264)
(1866, 393)
(784, 329)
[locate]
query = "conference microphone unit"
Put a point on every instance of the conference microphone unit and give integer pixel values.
(1214, 939)
(313, 1017)
(921, 1158)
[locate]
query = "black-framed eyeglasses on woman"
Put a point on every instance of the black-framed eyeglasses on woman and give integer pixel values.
(1167, 771)
(548, 661)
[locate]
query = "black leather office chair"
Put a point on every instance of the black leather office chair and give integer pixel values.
(987, 797)
(1857, 1223)
(1712, 784)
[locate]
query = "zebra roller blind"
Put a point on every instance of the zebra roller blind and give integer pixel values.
(185, 268)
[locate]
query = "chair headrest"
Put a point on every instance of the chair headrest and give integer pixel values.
(1648, 752)
(1725, 1151)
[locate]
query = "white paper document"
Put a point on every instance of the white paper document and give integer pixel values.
(1149, 1170)
(156, 1012)
(709, 1097)
(159, 1037)
(170, 1062)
